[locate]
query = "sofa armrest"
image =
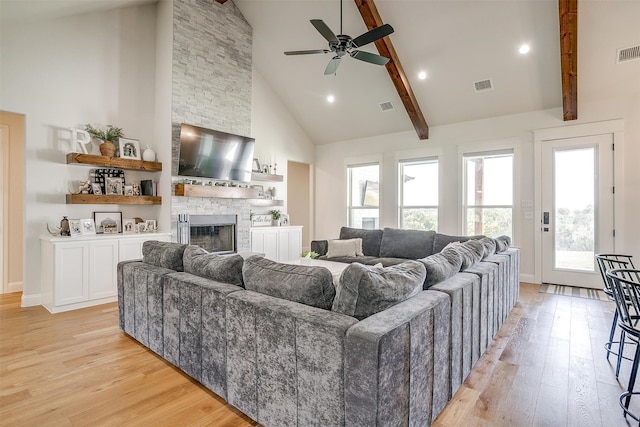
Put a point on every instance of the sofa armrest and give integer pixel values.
(320, 246)
(397, 363)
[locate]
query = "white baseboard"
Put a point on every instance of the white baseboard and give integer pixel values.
(30, 300)
(527, 278)
(14, 287)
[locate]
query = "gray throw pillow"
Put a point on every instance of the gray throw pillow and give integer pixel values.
(163, 254)
(299, 283)
(221, 268)
(441, 266)
(489, 246)
(471, 252)
(370, 239)
(409, 244)
(365, 290)
(502, 243)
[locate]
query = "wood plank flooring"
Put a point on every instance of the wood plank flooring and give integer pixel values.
(546, 367)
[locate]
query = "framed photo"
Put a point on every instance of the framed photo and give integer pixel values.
(75, 227)
(129, 225)
(284, 219)
(261, 220)
(97, 188)
(128, 190)
(141, 227)
(129, 148)
(84, 187)
(88, 226)
(112, 186)
(256, 165)
(136, 189)
(260, 189)
(150, 225)
(108, 222)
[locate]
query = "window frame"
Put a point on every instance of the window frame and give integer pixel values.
(401, 207)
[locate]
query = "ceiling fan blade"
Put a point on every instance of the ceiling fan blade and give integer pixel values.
(306, 52)
(373, 35)
(324, 30)
(369, 57)
(332, 66)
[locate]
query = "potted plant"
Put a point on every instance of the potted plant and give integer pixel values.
(275, 216)
(109, 138)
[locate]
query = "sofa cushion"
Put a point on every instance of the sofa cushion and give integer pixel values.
(344, 248)
(471, 252)
(489, 245)
(370, 239)
(441, 266)
(502, 243)
(440, 241)
(304, 284)
(221, 268)
(365, 290)
(163, 254)
(409, 244)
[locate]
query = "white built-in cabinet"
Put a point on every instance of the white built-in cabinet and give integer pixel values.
(277, 243)
(81, 271)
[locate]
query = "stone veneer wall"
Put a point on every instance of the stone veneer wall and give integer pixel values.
(211, 88)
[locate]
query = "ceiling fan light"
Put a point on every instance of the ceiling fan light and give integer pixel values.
(331, 99)
(524, 49)
(422, 75)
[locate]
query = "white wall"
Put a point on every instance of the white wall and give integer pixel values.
(94, 68)
(447, 140)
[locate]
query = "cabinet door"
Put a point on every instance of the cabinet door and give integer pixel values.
(131, 248)
(103, 260)
(71, 266)
(289, 244)
(266, 242)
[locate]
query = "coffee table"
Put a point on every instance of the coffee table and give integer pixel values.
(335, 268)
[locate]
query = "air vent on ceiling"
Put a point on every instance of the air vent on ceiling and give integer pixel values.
(482, 85)
(386, 106)
(628, 54)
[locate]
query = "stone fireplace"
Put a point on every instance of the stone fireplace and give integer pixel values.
(215, 233)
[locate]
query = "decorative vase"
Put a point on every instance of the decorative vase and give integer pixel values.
(275, 222)
(149, 155)
(108, 148)
(64, 227)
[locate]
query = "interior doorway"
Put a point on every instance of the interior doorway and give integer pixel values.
(12, 181)
(299, 196)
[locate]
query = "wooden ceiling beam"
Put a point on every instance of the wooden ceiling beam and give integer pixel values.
(568, 13)
(372, 19)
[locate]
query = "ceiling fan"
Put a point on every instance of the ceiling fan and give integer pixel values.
(343, 44)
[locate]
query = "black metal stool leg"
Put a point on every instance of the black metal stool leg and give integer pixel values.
(612, 334)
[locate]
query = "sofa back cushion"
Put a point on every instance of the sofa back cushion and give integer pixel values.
(163, 254)
(502, 243)
(365, 290)
(471, 252)
(489, 245)
(370, 239)
(299, 283)
(409, 244)
(441, 266)
(440, 241)
(221, 268)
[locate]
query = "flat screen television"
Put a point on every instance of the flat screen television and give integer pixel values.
(208, 153)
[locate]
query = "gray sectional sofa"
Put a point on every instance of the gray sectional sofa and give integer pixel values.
(287, 347)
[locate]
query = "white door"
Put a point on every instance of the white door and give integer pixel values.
(577, 208)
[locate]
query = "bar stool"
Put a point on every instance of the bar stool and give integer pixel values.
(608, 262)
(625, 284)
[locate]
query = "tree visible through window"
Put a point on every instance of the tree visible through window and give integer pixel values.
(364, 196)
(418, 194)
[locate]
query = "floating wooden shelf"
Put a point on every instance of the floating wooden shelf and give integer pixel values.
(100, 199)
(266, 202)
(189, 190)
(259, 176)
(113, 162)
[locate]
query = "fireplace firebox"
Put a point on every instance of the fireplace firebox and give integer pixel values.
(215, 233)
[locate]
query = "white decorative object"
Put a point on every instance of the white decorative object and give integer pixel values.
(81, 138)
(261, 220)
(149, 155)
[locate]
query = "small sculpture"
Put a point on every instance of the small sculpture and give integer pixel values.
(63, 230)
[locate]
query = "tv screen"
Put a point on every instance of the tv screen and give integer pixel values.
(208, 153)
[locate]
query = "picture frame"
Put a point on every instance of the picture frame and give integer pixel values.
(136, 189)
(88, 226)
(97, 188)
(260, 189)
(141, 227)
(128, 190)
(75, 227)
(108, 222)
(150, 225)
(256, 165)
(129, 148)
(112, 186)
(129, 225)
(284, 219)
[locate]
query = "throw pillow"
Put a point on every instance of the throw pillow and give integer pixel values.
(221, 268)
(502, 243)
(408, 244)
(441, 266)
(471, 252)
(304, 284)
(163, 254)
(344, 247)
(489, 246)
(365, 290)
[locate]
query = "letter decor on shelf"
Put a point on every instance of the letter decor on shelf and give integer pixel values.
(81, 138)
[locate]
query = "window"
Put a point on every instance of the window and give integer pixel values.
(364, 196)
(418, 194)
(488, 193)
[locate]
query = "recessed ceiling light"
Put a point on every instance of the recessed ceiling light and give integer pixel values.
(422, 75)
(331, 99)
(524, 49)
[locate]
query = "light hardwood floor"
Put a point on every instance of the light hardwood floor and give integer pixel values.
(546, 367)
